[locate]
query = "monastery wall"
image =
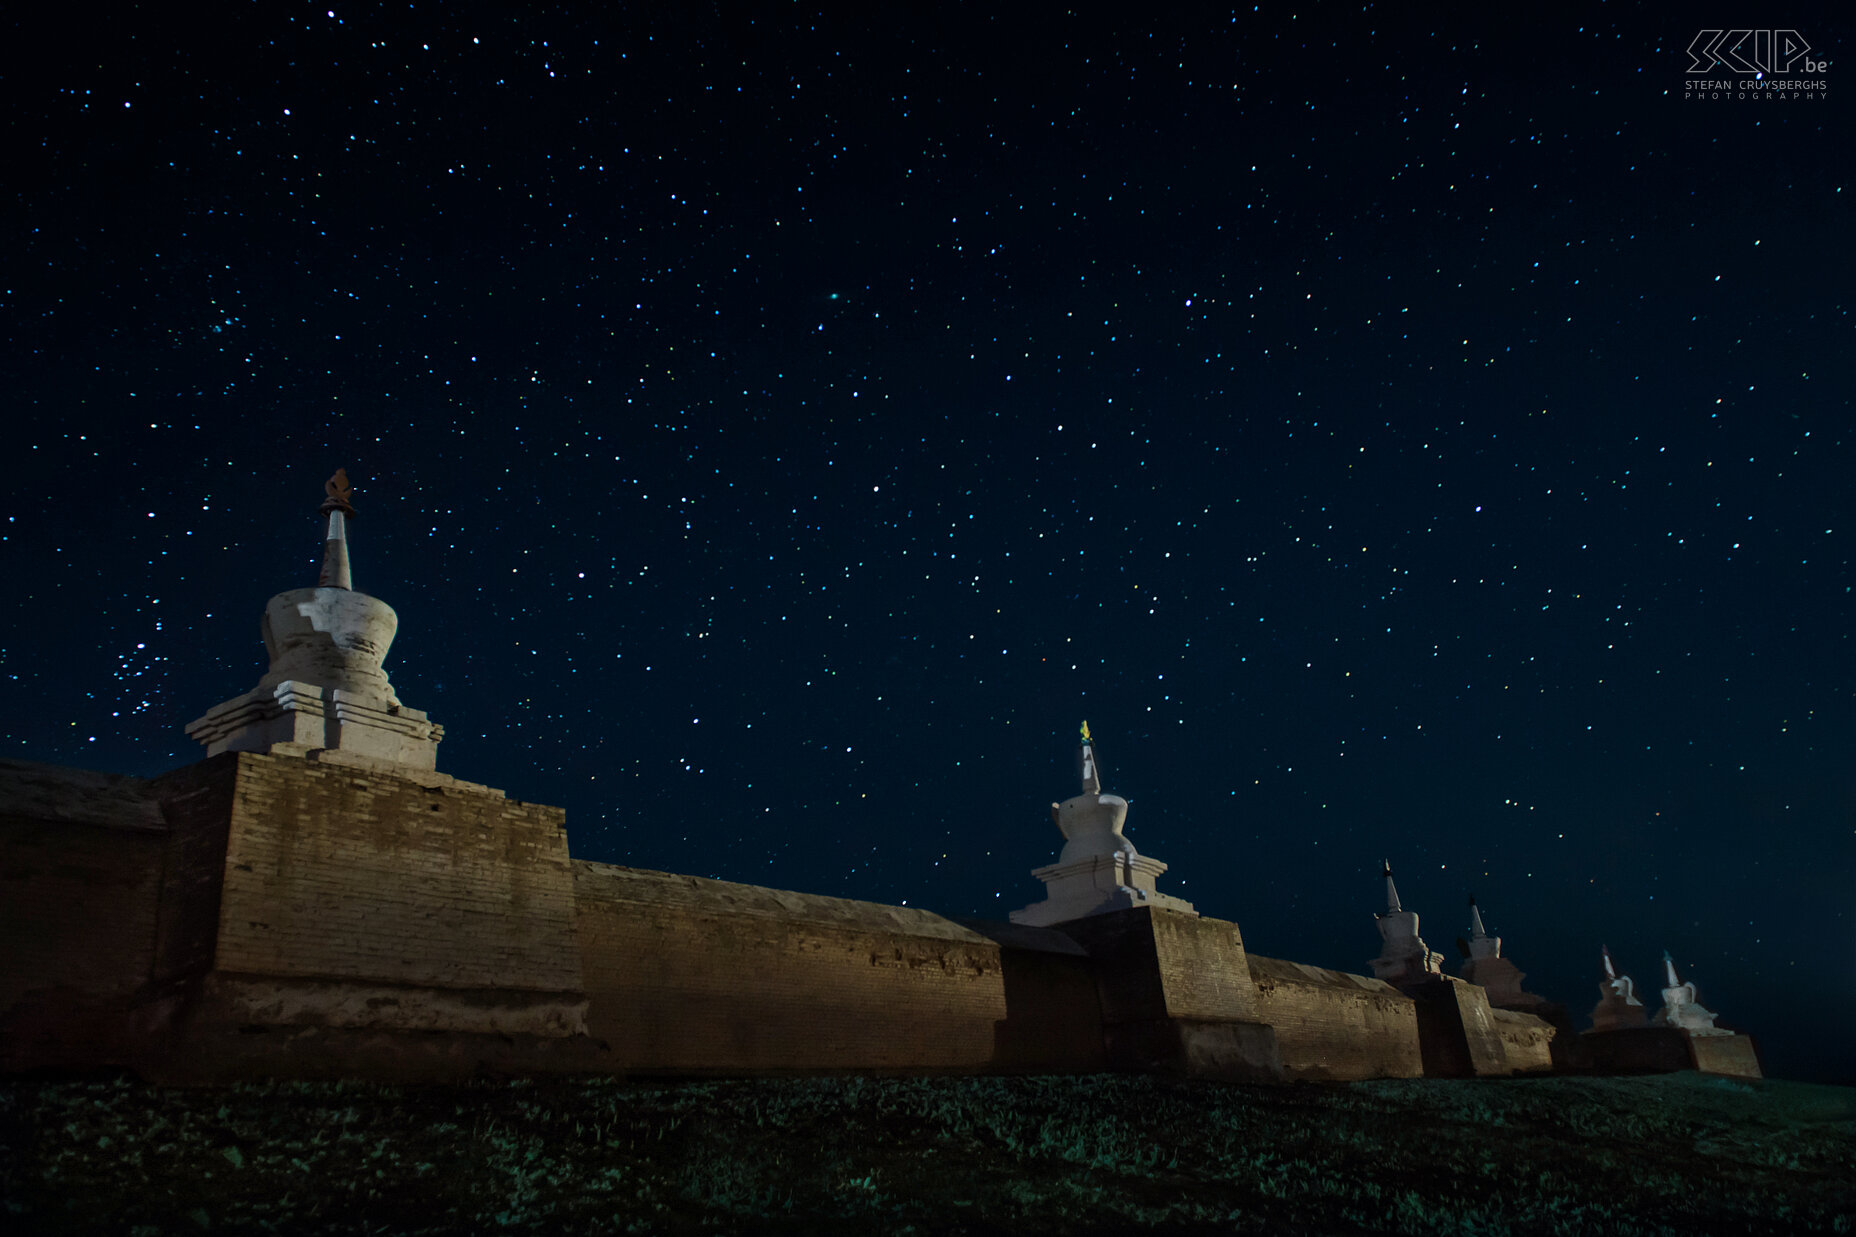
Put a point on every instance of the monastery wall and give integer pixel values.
(689, 975)
(80, 893)
(1176, 994)
(1334, 1025)
(1725, 1054)
(388, 900)
(338, 871)
(297, 915)
(1527, 1040)
(315, 900)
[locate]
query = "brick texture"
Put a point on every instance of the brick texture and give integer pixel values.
(1176, 994)
(1334, 1025)
(1166, 964)
(335, 872)
(282, 913)
(693, 976)
(195, 802)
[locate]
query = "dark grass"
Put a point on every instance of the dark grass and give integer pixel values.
(1679, 1154)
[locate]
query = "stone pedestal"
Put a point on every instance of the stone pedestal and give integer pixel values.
(1667, 1049)
(1177, 996)
(346, 917)
(1097, 884)
(1456, 1030)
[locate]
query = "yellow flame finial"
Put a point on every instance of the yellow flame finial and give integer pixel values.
(1086, 732)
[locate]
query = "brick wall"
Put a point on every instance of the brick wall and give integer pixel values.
(1331, 1024)
(1176, 994)
(1456, 1029)
(1203, 965)
(80, 869)
(195, 802)
(1167, 964)
(691, 975)
(334, 871)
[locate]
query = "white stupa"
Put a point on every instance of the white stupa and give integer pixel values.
(1618, 1007)
(1403, 956)
(1681, 1009)
(325, 689)
(1099, 870)
(1485, 966)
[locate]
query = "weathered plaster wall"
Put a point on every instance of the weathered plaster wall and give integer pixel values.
(691, 975)
(1726, 1054)
(1527, 1040)
(1656, 1050)
(1335, 1025)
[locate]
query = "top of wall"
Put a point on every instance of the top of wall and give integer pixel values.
(607, 882)
(1285, 972)
(78, 796)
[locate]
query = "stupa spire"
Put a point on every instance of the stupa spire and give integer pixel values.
(1669, 969)
(1392, 906)
(1611, 970)
(339, 507)
(1092, 773)
(1476, 930)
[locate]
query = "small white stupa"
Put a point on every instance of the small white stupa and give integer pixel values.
(1681, 1009)
(325, 689)
(1403, 956)
(1618, 1007)
(1099, 870)
(1485, 966)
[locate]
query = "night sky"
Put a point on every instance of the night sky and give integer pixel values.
(777, 431)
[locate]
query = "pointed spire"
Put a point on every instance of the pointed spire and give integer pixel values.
(1669, 969)
(338, 507)
(1476, 930)
(1092, 773)
(1611, 972)
(1392, 906)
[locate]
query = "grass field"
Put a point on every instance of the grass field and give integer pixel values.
(1678, 1154)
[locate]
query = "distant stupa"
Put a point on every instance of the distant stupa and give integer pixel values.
(1099, 870)
(1681, 1009)
(1403, 958)
(325, 689)
(1486, 967)
(1618, 1007)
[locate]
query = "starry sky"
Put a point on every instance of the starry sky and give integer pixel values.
(778, 429)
